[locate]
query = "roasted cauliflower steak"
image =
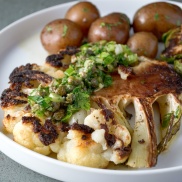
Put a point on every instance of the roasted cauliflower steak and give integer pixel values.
(103, 134)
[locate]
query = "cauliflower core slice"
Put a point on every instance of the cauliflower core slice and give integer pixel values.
(80, 149)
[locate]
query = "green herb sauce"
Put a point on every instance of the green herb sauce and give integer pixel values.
(89, 71)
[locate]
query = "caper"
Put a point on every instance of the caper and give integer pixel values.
(94, 83)
(71, 80)
(59, 114)
(55, 106)
(89, 52)
(100, 79)
(74, 81)
(47, 113)
(94, 69)
(69, 88)
(69, 98)
(61, 90)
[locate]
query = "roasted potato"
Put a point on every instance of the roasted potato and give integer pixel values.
(158, 18)
(112, 27)
(144, 44)
(59, 34)
(83, 13)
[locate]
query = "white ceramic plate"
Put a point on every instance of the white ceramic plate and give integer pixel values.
(20, 44)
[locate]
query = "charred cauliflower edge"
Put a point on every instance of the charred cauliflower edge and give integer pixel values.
(99, 132)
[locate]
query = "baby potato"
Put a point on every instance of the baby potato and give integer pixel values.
(144, 44)
(59, 34)
(112, 27)
(158, 18)
(83, 13)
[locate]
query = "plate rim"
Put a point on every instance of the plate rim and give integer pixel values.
(57, 162)
(42, 157)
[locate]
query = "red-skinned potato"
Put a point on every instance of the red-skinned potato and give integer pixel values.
(144, 44)
(83, 13)
(112, 27)
(59, 34)
(158, 18)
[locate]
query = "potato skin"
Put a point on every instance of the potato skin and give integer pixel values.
(157, 18)
(83, 13)
(59, 34)
(112, 27)
(144, 44)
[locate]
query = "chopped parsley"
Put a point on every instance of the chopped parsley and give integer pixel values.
(109, 26)
(89, 72)
(65, 29)
(178, 65)
(49, 29)
(178, 22)
(156, 16)
(167, 117)
(81, 101)
(85, 9)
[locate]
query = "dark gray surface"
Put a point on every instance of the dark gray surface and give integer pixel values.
(10, 11)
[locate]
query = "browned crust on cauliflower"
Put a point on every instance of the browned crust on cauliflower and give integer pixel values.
(58, 60)
(24, 78)
(12, 98)
(47, 132)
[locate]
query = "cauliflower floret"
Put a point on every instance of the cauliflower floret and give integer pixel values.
(117, 154)
(55, 147)
(97, 119)
(12, 117)
(52, 71)
(80, 149)
(121, 133)
(24, 135)
(94, 119)
(78, 117)
(114, 137)
(98, 137)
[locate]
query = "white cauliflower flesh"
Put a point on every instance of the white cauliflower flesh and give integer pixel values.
(100, 140)
(114, 137)
(55, 147)
(12, 116)
(80, 149)
(98, 137)
(52, 71)
(24, 135)
(37, 134)
(78, 117)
